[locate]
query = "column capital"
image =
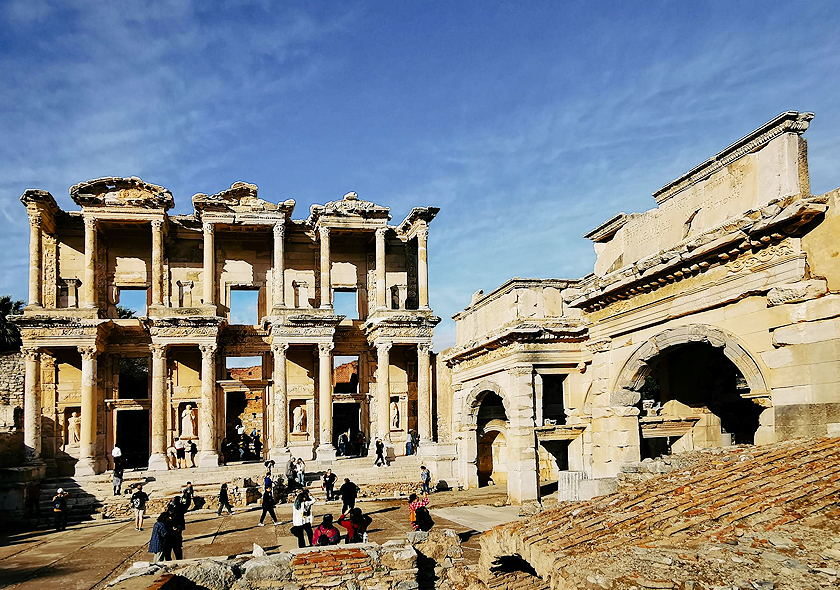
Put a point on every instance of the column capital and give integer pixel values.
(157, 224)
(383, 347)
(280, 347)
(279, 229)
(35, 221)
(90, 223)
(208, 227)
(423, 234)
(30, 353)
(424, 347)
(158, 350)
(325, 348)
(88, 352)
(208, 349)
(380, 232)
(324, 232)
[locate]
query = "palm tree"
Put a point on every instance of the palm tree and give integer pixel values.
(9, 333)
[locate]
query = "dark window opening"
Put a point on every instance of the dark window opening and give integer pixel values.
(552, 398)
(134, 378)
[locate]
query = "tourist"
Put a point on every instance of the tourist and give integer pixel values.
(258, 446)
(138, 502)
(425, 480)
(267, 479)
(300, 472)
(409, 444)
(268, 507)
(180, 453)
(193, 453)
(361, 444)
(171, 458)
(291, 473)
(348, 492)
(187, 495)
(329, 484)
(175, 534)
(224, 501)
(356, 524)
(380, 453)
(418, 514)
(342, 444)
(223, 451)
(302, 517)
(116, 454)
(59, 503)
(269, 465)
(160, 534)
(326, 533)
(117, 478)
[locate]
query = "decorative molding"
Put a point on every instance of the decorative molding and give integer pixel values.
(208, 349)
(424, 347)
(90, 223)
(280, 348)
(208, 228)
(30, 354)
(157, 225)
(423, 234)
(88, 352)
(158, 351)
(760, 257)
(324, 233)
(325, 348)
(383, 347)
(381, 232)
(279, 229)
(35, 221)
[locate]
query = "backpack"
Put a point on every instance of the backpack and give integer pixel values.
(323, 538)
(57, 503)
(423, 519)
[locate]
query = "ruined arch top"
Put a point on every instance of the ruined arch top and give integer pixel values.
(477, 394)
(632, 375)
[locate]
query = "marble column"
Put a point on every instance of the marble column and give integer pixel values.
(87, 464)
(279, 265)
(208, 456)
(325, 450)
(383, 392)
(424, 393)
(423, 268)
(157, 262)
(32, 405)
(209, 278)
(280, 401)
(381, 298)
(35, 259)
(157, 460)
(326, 286)
(89, 292)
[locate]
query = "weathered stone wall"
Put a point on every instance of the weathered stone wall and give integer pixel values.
(11, 409)
(11, 379)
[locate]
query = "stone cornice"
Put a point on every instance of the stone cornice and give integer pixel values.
(753, 231)
(607, 229)
(350, 207)
(787, 122)
(115, 192)
(240, 203)
(417, 220)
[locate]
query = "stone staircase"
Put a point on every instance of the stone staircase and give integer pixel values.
(92, 496)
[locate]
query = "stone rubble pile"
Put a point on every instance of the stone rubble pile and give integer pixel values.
(747, 517)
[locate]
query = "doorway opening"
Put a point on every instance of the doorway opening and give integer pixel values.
(491, 424)
(346, 427)
(132, 437)
(134, 378)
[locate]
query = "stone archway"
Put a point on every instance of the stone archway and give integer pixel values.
(472, 402)
(681, 352)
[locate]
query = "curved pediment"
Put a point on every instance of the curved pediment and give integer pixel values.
(350, 206)
(241, 197)
(121, 193)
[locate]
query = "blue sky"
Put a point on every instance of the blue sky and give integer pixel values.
(527, 123)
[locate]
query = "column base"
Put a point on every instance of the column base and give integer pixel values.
(208, 459)
(325, 453)
(88, 466)
(280, 456)
(157, 462)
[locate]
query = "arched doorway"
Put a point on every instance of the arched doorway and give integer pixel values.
(696, 387)
(491, 425)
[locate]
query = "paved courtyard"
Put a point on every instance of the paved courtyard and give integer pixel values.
(89, 555)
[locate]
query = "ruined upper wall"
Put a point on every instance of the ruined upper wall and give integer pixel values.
(769, 163)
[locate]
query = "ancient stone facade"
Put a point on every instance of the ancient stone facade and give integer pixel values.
(94, 379)
(709, 320)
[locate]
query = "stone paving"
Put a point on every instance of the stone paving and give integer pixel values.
(89, 555)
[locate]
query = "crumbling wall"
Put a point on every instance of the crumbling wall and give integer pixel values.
(11, 409)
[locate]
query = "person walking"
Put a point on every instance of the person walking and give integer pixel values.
(258, 446)
(302, 517)
(138, 502)
(380, 453)
(187, 495)
(418, 514)
(159, 539)
(175, 534)
(268, 507)
(117, 478)
(59, 503)
(329, 484)
(300, 471)
(193, 453)
(348, 492)
(291, 473)
(326, 533)
(356, 525)
(224, 500)
(425, 480)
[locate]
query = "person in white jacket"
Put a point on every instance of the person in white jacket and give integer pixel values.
(302, 517)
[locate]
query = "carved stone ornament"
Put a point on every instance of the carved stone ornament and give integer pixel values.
(88, 352)
(90, 223)
(157, 225)
(424, 347)
(280, 348)
(758, 258)
(208, 349)
(279, 230)
(30, 354)
(35, 221)
(121, 192)
(158, 351)
(383, 347)
(208, 228)
(520, 371)
(325, 348)
(599, 345)
(381, 232)
(324, 232)
(423, 234)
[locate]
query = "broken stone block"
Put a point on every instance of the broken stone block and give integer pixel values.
(797, 292)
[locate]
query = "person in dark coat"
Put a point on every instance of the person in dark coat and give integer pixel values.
(380, 454)
(268, 507)
(175, 534)
(224, 501)
(348, 492)
(160, 534)
(118, 476)
(59, 503)
(329, 484)
(187, 495)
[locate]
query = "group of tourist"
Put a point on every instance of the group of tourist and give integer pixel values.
(176, 455)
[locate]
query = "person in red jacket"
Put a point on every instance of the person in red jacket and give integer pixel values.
(356, 524)
(325, 533)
